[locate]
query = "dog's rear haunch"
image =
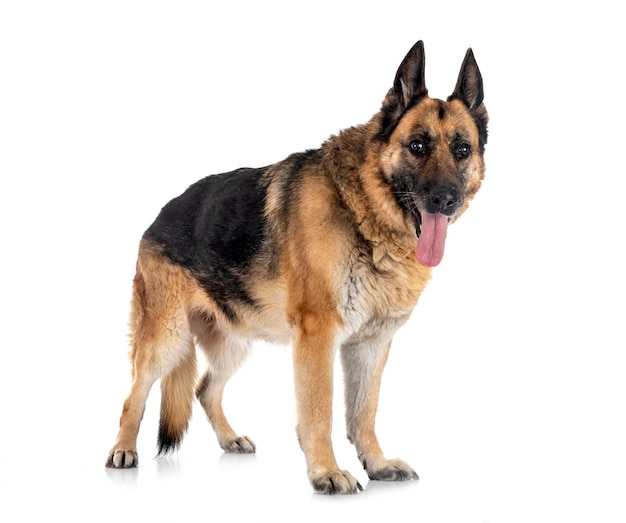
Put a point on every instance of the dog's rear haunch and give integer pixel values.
(328, 250)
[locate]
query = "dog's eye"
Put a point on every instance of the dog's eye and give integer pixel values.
(463, 151)
(417, 147)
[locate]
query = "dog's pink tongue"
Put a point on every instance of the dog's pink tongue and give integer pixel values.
(432, 240)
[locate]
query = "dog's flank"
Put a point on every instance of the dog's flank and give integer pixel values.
(328, 250)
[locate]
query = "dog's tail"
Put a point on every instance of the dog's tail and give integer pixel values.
(177, 393)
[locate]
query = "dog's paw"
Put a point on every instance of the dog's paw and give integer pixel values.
(122, 459)
(336, 482)
(242, 445)
(391, 470)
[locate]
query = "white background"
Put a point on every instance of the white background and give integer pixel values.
(505, 391)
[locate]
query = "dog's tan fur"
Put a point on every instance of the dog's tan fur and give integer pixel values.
(341, 275)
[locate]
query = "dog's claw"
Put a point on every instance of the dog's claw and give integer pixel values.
(337, 482)
(122, 459)
(242, 445)
(394, 470)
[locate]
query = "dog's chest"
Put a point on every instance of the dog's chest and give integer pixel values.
(376, 303)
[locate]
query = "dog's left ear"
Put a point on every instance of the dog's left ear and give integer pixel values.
(469, 86)
(469, 89)
(409, 86)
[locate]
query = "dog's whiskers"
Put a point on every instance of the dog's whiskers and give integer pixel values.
(408, 199)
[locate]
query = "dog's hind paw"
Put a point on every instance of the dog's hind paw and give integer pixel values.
(391, 470)
(336, 482)
(242, 445)
(122, 459)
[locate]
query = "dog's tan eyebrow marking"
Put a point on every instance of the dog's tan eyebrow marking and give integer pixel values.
(460, 137)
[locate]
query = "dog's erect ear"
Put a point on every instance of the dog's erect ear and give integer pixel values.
(469, 89)
(408, 87)
(409, 83)
(469, 86)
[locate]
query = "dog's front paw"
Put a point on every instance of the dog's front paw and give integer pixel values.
(242, 445)
(335, 482)
(122, 459)
(390, 470)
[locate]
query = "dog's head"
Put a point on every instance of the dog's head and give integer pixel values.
(432, 150)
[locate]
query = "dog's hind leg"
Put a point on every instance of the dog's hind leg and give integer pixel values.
(161, 348)
(363, 364)
(225, 354)
(124, 452)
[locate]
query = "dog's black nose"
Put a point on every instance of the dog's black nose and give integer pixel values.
(442, 199)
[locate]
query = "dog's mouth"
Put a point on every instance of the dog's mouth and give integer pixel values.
(431, 232)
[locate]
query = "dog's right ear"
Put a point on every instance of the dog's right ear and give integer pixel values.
(409, 86)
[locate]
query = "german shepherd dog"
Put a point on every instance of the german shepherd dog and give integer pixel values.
(328, 250)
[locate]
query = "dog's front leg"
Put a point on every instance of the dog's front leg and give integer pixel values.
(313, 353)
(363, 365)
